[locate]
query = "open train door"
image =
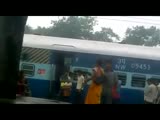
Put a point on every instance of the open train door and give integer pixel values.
(62, 61)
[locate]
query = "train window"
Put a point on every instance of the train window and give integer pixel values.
(85, 72)
(122, 77)
(81, 69)
(67, 61)
(138, 81)
(28, 69)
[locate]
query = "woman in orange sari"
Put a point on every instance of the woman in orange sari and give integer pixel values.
(94, 91)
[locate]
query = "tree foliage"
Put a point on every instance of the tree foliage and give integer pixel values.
(142, 36)
(81, 27)
(106, 34)
(75, 27)
(28, 30)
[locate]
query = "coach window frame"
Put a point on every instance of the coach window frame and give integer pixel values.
(122, 73)
(138, 76)
(33, 70)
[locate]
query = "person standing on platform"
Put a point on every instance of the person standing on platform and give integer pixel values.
(79, 88)
(150, 92)
(109, 84)
(21, 84)
(158, 96)
(94, 92)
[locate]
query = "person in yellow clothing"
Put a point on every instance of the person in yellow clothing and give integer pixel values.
(95, 89)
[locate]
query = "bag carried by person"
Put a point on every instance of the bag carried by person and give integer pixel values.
(115, 94)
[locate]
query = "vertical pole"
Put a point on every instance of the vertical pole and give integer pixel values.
(11, 37)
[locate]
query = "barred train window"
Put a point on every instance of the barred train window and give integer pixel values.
(84, 70)
(81, 69)
(28, 69)
(122, 77)
(68, 61)
(138, 80)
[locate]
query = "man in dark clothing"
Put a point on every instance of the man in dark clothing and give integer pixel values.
(110, 80)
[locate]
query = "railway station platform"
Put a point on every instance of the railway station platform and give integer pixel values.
(33, 100)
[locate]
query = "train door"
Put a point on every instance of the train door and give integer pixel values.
(63, 61)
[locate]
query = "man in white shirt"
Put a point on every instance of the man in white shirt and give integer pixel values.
(150, 93)
(158, 97)
(79, 87)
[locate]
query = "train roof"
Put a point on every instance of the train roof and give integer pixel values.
(89, 46)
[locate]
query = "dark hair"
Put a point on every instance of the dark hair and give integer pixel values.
(150, 80)
(109, 61)
(79, 72)
(99, 62)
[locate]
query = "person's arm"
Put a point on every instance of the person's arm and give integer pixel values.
(83, 81)
(88, 79)
(116, 79)
(147, 90)
(69, 79)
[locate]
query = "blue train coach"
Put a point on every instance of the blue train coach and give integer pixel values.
(44, 59)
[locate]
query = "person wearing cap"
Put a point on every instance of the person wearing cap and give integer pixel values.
(150, 92)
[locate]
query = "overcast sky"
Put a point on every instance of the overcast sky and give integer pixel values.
(119, 24)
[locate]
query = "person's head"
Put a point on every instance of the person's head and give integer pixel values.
(99, 62)
(149, 81)
(79, 73)
(155, 82)
(108, 64)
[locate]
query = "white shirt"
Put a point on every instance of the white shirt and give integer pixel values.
(80, 82)
(158, 87)
(150, 93)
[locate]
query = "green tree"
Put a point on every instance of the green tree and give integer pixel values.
(142, 36)
(106, 34)
(41, 31)
(78, 27)
(28, 29)
(73, 27)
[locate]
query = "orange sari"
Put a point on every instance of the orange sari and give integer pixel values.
(94, 91)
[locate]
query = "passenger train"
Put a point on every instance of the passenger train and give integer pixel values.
(44, 58)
